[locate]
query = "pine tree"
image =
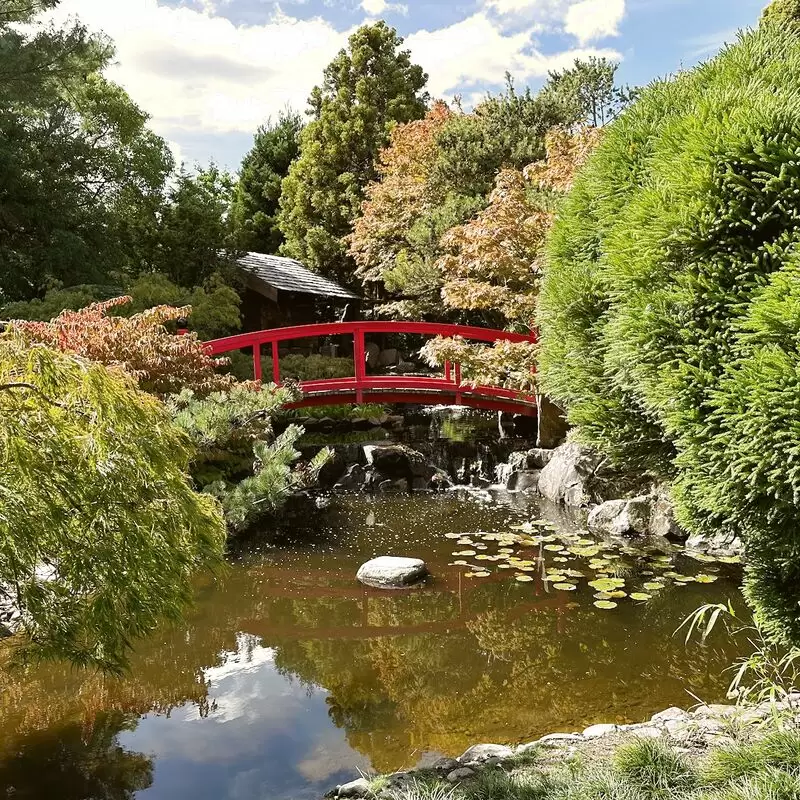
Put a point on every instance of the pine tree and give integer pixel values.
(257, 198)
(368, 88)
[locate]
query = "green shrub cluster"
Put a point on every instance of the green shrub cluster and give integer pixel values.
(237, 459)
(670, 312)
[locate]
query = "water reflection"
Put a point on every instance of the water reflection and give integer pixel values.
(289, 675)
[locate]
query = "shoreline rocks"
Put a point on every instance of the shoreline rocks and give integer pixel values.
(704, 727)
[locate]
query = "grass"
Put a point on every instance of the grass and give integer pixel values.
(763, 769)
(779, 750)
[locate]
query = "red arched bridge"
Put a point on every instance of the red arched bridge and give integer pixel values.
(361, 387)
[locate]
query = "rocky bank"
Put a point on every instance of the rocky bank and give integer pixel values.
(693, 733)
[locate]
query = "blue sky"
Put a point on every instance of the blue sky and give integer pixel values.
(209, 71)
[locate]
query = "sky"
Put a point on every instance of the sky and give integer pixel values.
(209, 72)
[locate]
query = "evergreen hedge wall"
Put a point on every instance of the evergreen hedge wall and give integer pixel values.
(670, 311)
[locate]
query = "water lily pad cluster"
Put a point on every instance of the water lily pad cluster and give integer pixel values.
(615, 570)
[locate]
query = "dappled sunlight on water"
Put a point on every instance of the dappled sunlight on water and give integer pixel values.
(289, 675)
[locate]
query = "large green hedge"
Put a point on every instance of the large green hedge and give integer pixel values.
(670, 312)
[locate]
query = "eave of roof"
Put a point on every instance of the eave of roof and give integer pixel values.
(288, 275)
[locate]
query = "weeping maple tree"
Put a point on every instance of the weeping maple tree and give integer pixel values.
(101, 532)
(494, 263)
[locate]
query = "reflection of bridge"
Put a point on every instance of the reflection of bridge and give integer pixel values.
(450, 581)
(448, 389)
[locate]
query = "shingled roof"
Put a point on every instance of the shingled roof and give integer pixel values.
(288, 275)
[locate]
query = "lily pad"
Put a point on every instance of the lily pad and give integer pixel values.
(602, 596)
(641, 596)
(465, 553)
(565, 587)
(606, 605)
(561, 559)
(653, 586)
(523, 578)
(481, 574)
(556, 578)
(729, 559)
(607, 584)
(554, 548)
(618, 594)
(585, 551)
(705, 578)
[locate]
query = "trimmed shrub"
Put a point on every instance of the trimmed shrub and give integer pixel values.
(669, 312)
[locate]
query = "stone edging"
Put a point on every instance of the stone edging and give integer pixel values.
(706, 726)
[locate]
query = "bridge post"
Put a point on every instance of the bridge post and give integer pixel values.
(448, 371)
(276, 365)
(458, 384)
(257, 362)
(360, 359)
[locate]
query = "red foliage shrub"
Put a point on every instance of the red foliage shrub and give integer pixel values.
(140, 345)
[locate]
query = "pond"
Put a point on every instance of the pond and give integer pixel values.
(288, 676)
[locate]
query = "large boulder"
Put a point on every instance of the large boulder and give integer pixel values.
(662, 518)
(395, 461)
(567, 477)
(537, 458)
(622, 517)
(390, 572)
(552, 424)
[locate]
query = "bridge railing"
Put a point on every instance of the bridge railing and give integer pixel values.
(382, 388)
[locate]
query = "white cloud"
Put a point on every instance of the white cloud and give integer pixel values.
(208, 83)
(475, 52)
(377, 7)
(194, 71)
(594, 19)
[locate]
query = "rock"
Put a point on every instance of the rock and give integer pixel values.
(552, 424)
(648, 732)
(460, 774)
(669, 715)
(662, 519)
(372, 355)
(397, 461)
(393, 487)
(353, 480)
(357, 788)
(557, 739)
(537, 458)
(479, 753)
(716, 710)
(679, 728)
(446, 764)
(596, 731)
(523, 481)
(622, 517)
(567, 477)
(388, 358)
(389, 572)
(406, 367)
(718, 544)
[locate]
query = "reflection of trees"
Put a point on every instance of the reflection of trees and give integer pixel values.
(504, 676)
(76, 763)
(435, 669)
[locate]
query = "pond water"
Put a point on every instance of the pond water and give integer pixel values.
(288, 676)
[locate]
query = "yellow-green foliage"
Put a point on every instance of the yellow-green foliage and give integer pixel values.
(94, 496)
(670, 311)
